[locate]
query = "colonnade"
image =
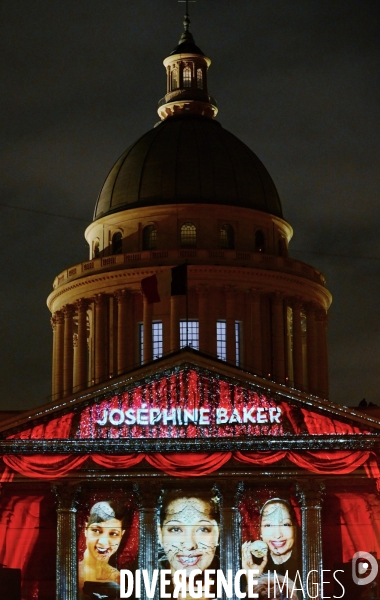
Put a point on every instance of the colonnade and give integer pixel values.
(309, 492)
(97, 338)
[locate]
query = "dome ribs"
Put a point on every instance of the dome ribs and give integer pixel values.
(188, 159)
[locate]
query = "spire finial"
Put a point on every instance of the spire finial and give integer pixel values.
(186, 22)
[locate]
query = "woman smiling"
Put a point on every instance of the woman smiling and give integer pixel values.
(189, 531)
(103, 532)
(277, 549)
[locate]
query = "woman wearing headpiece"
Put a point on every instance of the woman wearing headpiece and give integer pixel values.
(189, 532)
(277, 548)
(97, 572)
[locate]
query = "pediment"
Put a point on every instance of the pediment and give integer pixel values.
(187, 395)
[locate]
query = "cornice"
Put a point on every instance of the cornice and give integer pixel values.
(294, 443)
(247, 277)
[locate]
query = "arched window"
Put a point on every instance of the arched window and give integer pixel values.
(227, 237)
(199, 79)
(96, 249)
(188, 236)
(117, 243)
(175, 85)
(259, 241)
(149, 238)
(187, 77)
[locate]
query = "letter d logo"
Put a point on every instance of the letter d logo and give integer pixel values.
(367, 563)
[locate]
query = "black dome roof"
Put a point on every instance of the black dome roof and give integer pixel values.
(188, 159)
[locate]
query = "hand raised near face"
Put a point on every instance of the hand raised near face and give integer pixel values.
(258, 549)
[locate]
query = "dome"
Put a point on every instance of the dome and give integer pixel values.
(188, 159)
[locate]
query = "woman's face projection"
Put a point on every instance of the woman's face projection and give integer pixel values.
(189, 534)
(104, 536)
(277, 528)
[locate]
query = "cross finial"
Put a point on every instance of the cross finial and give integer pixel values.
(186, 22)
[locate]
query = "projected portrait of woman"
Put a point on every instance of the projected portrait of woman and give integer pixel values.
(276, 550)
(97, 572)
(189, 531)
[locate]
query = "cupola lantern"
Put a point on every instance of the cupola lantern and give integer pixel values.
(186, 72)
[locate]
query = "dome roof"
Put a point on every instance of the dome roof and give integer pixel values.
(188, 159)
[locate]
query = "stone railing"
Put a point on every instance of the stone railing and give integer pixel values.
(197, 257)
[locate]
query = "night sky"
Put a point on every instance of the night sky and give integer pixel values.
(297, 81)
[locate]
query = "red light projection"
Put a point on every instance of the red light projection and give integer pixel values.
(184, 404)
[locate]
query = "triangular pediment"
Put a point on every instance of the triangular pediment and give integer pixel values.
(187, 395)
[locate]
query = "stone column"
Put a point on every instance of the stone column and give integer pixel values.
(256, 348)
(75, 361)
(122, 298)
(66, 560)
(230, 531)
(148, 338)
(205, 341)
(100, 301)
(68, 350)
(310, 494)
(311, 348)
(278, 337)
(147, 494)
(297, 346)
(323, 368)
(53, 323)
(58, 374)
(174, 323)
(230, 325)
(80, 382)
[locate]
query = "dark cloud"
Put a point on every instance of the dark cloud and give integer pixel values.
(295, 80)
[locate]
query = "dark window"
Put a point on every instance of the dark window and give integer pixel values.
(227, 237)
(175, 79)
(199, 79)
(259, 241)
(188, 236)
(117, 243)
(96, 249)
(149, 237)
(187, 77)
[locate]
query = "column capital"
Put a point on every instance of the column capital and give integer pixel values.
(296, 302)
(310, 307)
(100, 299)
(277, 297)
(321, 315)
(53, 321)
(75, 340)
(147, 494)
(121, 295)
(67, 496)
(82, 304)
(229, 495)
(68, 310)
(202, 290)
(229, 290)
(58, 317)
(310, 493)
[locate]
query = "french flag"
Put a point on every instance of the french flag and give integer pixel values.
(172, 282)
